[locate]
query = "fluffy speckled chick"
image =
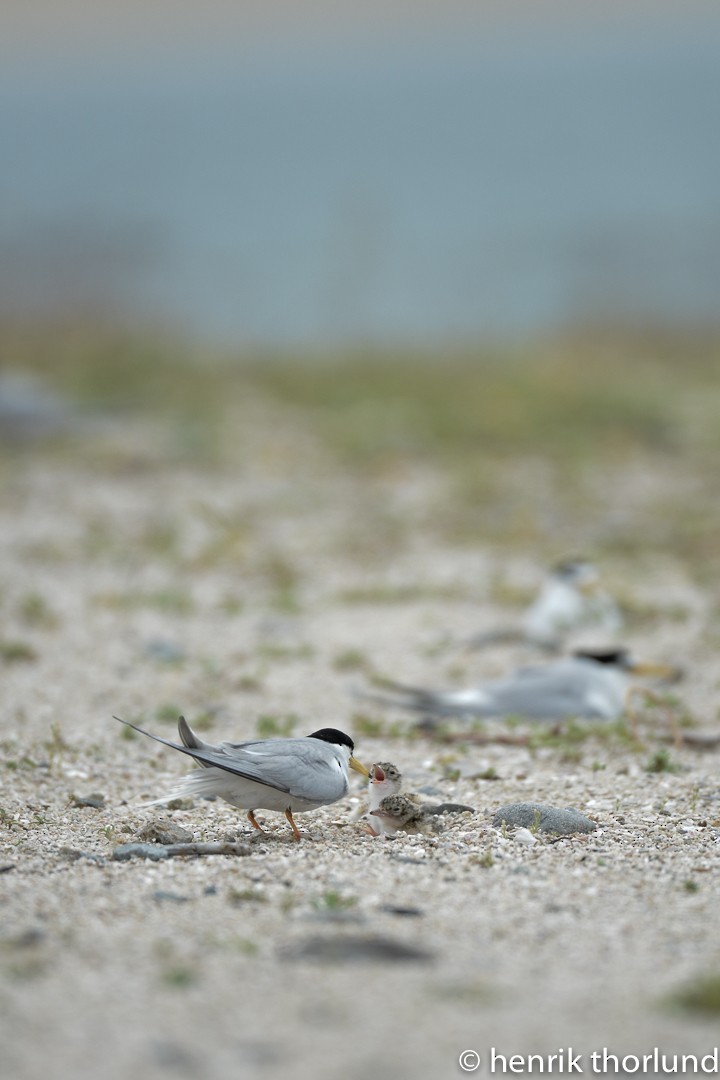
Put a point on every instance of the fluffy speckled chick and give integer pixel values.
(385, 779)
(399, 813)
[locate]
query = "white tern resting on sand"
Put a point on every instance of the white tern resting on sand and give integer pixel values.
(570, 600)
(590, 685)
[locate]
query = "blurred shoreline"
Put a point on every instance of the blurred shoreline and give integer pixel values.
(382, 190)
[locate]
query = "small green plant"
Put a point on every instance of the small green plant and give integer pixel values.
(160, 538)
(486, 860)
(690, 885)
(506, 594)
(411, 593)
(179, 976)
(333, 901)
(661, 762)
(14, 652)
(167, 714)
(238, 897)
(171, 601)
(371, 727)
(351, 660)
(34, 611)
(702, 996)
(273, 651)
(284, 581)
(204, 721)
(490, 773)
(231, 605)
(244, 945)
(275, 727)
(56, 743)
(249, 684)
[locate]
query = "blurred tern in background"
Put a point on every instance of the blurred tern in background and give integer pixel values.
(570, 600)
(588, 685)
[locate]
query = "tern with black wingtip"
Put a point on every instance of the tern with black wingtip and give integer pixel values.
(592, 685)
(287, 775)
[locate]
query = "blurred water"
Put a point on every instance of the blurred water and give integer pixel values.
(442, 190)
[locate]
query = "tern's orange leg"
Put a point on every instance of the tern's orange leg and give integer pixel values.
(293, 826)
(251, 818)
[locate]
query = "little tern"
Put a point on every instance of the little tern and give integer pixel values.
(591, 685)
(291, 775)
(571, 600)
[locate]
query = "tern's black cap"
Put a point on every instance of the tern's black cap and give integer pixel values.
(612, 657)
(332, 735)
(570, 568)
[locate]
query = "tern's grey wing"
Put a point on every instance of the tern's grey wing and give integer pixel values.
(559, 692)
(234, 762)
(306, 768)
(189, 738)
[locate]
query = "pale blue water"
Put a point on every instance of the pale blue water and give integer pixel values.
(446, 190)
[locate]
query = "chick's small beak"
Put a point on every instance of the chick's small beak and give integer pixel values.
(377, 775)
(358, 766)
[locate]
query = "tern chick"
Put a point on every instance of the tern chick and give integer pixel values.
(385, 779)
(398, 813)
(290, 775)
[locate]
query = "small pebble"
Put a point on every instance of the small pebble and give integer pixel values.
(140, 851)
(166, 652)
(96, 800)
(163, 831)
(449, 808)
(543, 818)
(73, 854)
(352, 948)
(160, 895)
(524, 836)
(408, 912)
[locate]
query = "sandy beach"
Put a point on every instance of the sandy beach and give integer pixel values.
(140, 584)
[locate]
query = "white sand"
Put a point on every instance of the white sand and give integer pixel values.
(576, 943)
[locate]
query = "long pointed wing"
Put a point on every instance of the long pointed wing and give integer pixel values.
(216, 757)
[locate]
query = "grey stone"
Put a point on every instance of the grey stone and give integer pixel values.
(449, 808)
(547, 819)
(163, 831)
(140, 851)
(95, 800)
(354, 948)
